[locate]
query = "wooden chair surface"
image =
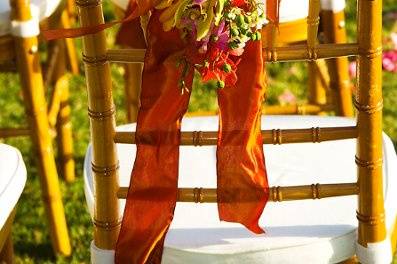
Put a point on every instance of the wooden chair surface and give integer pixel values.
(367, 131)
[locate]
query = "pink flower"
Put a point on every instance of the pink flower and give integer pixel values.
(353, 69)
(222, 34)
(199, 2)
(287, 97)
(389, 61)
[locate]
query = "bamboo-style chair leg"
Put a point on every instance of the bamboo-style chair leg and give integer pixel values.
(28, 63)
(334, 31)
(62, 56)
(64, 134)
(102, 122)
(133, 76)
(317, 88)
(63, 123)
(70, 49)
(7, 252)
(369, 157)
(71, 11)
(6, 245)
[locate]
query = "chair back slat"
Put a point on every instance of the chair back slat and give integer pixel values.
(313, 20)
(369, 119)
(274, 136)
(288, 53)
(368, 131)
(102, 122)
(276, 193)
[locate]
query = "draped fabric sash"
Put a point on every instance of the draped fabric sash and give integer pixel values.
(152, 194)
(242, 182)
(242, 186)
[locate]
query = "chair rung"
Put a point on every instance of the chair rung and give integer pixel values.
(276, 193)
(288, 53)
(126, 55)
(293, 109)
(296, 109)
(14, 132)
(275, 136)
(303, 53)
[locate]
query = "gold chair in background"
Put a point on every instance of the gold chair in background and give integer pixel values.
(299, 231)
(329, 87)
(19, 52)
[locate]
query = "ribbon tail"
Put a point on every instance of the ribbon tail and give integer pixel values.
(152, 194)
(242, 177)
(273, 11)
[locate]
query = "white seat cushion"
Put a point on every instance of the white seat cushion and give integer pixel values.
(40, 9)
(290, 10)
(307, 231)
(12, 180)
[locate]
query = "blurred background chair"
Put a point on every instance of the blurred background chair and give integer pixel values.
(354, 164)
(12, 182)
(329, 86)
(19, 52)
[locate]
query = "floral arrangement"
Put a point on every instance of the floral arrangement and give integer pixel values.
(218, 29)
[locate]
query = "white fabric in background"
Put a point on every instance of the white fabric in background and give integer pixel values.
(333, 5)
(290, 10)
(25, 29)
(12, 180)
(307, 231)
(40, 9)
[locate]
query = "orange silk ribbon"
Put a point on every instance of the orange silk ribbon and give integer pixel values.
(152, 193)
(242, 186)
(273, 11)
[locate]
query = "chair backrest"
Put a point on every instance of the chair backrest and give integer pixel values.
(368, 130)
(329, 86)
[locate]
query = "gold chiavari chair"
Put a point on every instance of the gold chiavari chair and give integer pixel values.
(328, 82)
(329, 86)
(19, 52)
(300, 229)
(12, 182)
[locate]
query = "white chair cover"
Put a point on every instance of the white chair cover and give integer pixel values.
(40, 9)
(12, 180)
(307, 231)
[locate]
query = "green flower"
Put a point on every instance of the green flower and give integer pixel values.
(220, 84)
(227, 68)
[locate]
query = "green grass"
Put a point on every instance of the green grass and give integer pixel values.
(30, 233)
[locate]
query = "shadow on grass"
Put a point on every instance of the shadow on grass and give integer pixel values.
(37, 252)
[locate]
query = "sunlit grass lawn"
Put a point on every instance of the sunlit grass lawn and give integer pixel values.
(30, 233)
